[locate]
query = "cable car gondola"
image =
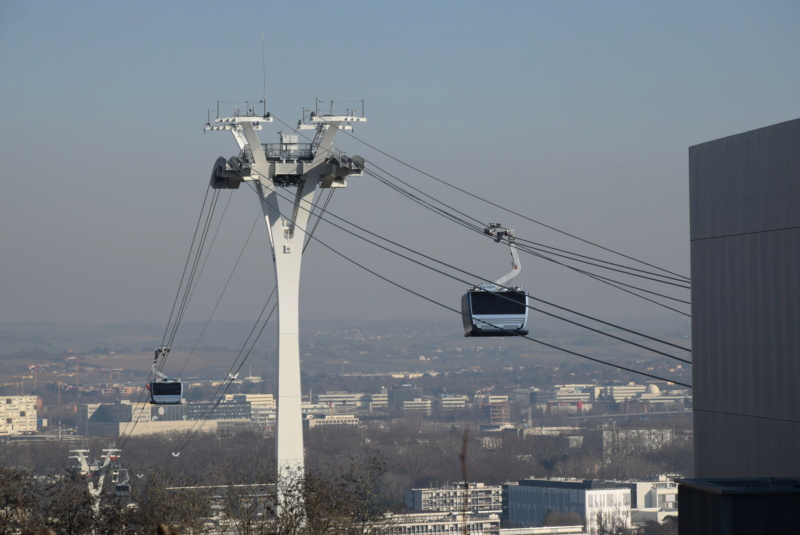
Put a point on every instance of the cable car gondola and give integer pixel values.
(487, 310)
(495, 309)
(164, 390)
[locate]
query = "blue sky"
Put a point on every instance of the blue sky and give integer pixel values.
(577, 114)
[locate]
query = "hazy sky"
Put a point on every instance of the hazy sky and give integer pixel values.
(577, 114)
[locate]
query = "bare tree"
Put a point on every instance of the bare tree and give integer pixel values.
(65, 505)
(17, 500)
(609, 523)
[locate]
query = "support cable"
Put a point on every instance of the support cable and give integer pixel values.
(190, 283)
(526, 248)
(599, 278)
(546, 344)
(501, 207)
(450, 266)
(209, 412)
(187, 290)
(186, 265)
(466, 282)
(222, 293)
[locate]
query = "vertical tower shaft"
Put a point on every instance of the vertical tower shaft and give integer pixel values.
(282, 165)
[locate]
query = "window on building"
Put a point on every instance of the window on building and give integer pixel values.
(8, 401)
(8, 420)
(22, 413)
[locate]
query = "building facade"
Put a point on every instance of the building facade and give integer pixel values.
(440, 523)
(332, 420)
(17, 415)
(745, 245)
(456, 498)
(600, 504)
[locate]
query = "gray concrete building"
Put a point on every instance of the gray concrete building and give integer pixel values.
(745, 246)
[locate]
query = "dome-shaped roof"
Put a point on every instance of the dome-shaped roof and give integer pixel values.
(653, 389)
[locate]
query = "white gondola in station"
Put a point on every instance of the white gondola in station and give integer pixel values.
(497, 309)
(164, 390)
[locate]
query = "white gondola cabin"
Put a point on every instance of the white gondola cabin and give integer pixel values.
(490, 311)
(497, 309)
(164, 390)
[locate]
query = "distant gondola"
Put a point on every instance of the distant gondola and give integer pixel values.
(164, 390)
(491, 311)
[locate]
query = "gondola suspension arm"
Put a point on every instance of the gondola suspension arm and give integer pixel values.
(498, 233)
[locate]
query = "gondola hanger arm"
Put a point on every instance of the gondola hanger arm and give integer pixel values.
(498, 233)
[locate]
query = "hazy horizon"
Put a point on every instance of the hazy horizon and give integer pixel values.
(576, 115)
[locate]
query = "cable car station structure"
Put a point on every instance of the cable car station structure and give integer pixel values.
(305, 167)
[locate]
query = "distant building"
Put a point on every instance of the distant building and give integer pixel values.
(574, 393)
(566, 407)
(379, 400)
(597, 502)
(654, 500)
(449, 402)
(113, 419)
(479, 498)
(267, 400)
(545, 530)
(538, 397)
(334, 419)
(262, 407)
(440, 523)
(17, 415)
(656, 396)
(417, 406)
(617, 393)
(405, 392)
(344, 399)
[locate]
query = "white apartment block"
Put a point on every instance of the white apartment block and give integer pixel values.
(379, 400)
(456, 498)
(266, 400)
(490, 399)
(574, 393)
(655, 500)
(332, 419)
(343, 399)
(17, 415)
(450, 402)
(417, 406)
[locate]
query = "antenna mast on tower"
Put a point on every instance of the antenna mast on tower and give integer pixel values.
(303, 167)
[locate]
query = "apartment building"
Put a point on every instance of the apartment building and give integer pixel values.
(17, 415)
(456, 497)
